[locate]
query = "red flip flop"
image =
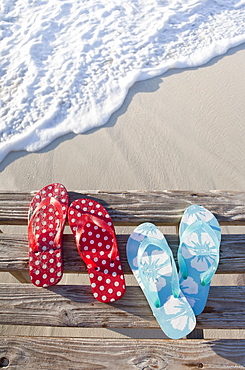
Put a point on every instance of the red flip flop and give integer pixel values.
(46, 222)
(96, 242)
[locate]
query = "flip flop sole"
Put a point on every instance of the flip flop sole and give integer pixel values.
(199, 250)
(174, 315)
(95, 244)
(45, 256)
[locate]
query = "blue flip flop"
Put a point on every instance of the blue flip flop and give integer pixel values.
(198, 254)
(152, 263)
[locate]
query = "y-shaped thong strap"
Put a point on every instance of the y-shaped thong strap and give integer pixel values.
(88, 217)
(174, 279)
(205, 276)
(31, 236)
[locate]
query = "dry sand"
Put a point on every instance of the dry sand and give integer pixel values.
(182, 130)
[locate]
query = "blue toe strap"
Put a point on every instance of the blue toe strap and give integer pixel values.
(205, 276)
(174, 279)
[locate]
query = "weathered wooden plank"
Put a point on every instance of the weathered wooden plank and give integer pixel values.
(74, 306)
(14, 253)
(21, 276)
(127, 354)
(134, 207)
(196, 334)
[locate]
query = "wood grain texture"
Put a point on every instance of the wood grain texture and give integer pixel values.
(14, 253)
(127, 354)
(134, 207)
(74, 306)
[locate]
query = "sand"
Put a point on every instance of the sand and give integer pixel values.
(182, 130)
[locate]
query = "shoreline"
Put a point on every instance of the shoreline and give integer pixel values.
(181, 130)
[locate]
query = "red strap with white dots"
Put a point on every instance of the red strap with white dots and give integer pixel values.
(31, 236)
(86, 217)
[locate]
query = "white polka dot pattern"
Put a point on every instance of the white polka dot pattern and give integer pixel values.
(45, 263)
(95, 244)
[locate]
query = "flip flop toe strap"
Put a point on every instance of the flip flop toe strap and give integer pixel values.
(174, 278)
(86, 218)
(31, 236)
(205, 276)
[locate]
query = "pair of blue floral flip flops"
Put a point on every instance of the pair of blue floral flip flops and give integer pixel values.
(175, 299)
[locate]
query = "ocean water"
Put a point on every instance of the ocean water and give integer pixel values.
(67, 65)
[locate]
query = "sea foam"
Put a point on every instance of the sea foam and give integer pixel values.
(67, 65)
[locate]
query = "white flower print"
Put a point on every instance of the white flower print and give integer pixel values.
(137, 276)
(172, 306)
(160, 257)
(160, 283)
(200, 264)
(179, 322)
(192, 324)
(180, 313)
(207, 239)
(189, 286)
(191, 300)
(144, 257)
(146, 229)
(190, 243)
(154, 267)
(186, 253)
(196, 213)
(136, 236)
(200, 248)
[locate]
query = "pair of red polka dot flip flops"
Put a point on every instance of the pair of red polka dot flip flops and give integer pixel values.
(95, 239)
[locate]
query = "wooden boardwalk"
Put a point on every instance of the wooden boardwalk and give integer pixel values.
(22, 303)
